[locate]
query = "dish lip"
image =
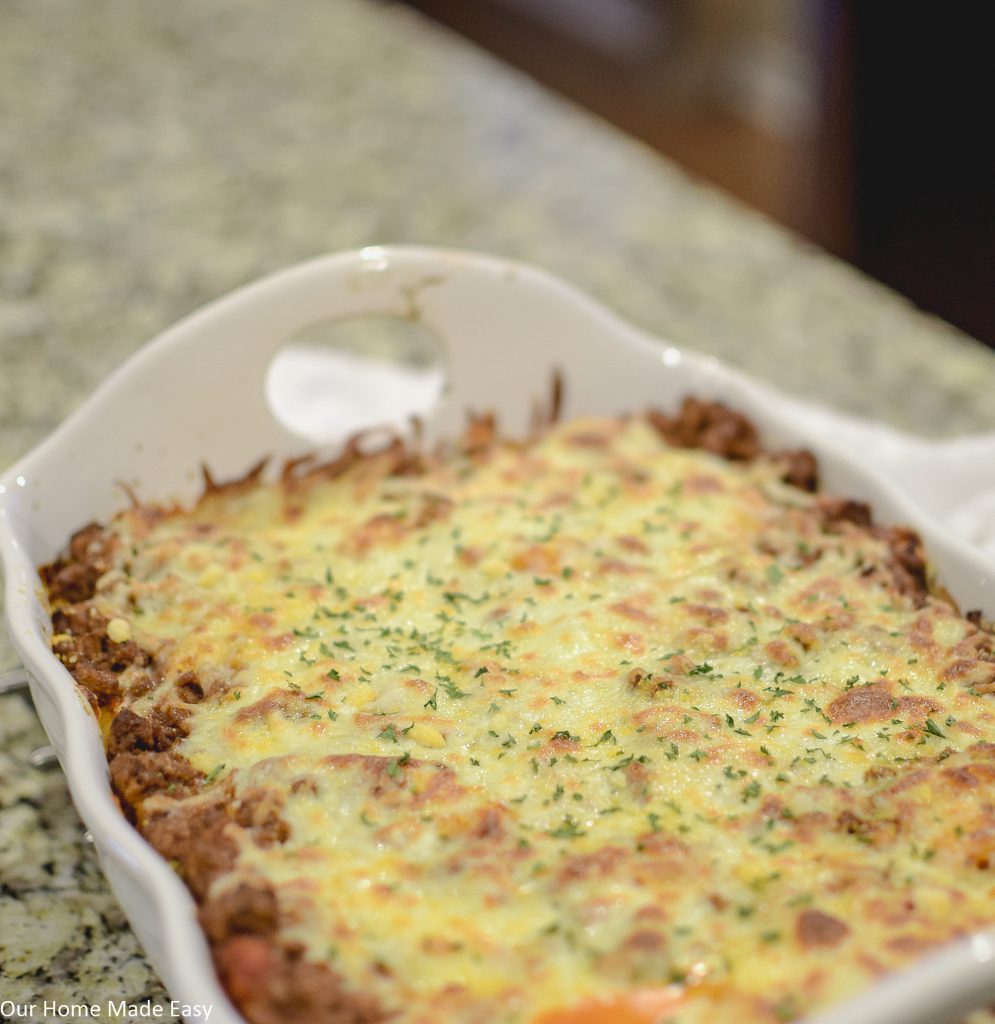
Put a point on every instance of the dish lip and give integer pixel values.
(140, 877)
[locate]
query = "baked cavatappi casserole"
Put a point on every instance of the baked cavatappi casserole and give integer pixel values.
(626, 723)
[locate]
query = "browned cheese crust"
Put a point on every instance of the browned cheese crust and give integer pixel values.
(268, 978)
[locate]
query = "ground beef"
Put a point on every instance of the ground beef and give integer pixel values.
(908, 562)
(259, 812)
(272, 984)
(74, 579)
(136, 776)
(198, 838)
(976, 617)
(844, 510)
(101, 683)
(73, 582)
(722, 431)
(158, 731)
(709, 425)
(246, 909)
(801, 470)
(189, 688)
(94, 660)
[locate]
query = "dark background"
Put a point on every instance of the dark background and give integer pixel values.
(864, 126)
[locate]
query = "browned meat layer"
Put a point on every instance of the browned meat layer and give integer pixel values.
(836, 511)
(82, 645)
(73, 579)
(198, 837)
(801, 469)
(135, 777)
(141, 760)
(189, 688)
(269, 981)
(248, 908)
(716, 428)
(274, 984)
(907, 564)
(157, 731)
(709, 425)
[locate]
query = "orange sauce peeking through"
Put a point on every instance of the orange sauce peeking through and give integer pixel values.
(645, 1006)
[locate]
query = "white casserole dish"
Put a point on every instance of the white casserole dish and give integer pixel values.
(196, 395)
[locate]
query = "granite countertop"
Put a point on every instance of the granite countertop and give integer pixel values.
(156, 156)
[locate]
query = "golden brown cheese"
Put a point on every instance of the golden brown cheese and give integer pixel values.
(591, 729)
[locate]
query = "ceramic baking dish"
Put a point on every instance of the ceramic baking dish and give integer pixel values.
(196, 395)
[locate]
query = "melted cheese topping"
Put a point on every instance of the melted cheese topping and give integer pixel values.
(590, 730)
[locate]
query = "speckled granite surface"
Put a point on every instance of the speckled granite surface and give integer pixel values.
(63, 937)
(153, 156)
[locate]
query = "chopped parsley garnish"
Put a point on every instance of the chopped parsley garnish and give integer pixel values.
(453, 690)
(568, 830)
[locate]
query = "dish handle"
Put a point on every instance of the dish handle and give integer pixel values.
(505, 330)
